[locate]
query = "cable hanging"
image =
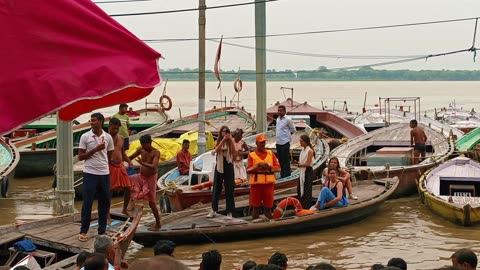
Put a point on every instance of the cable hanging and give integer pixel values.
(332, 69)
(119, 1)
(473, 42)
(191, 9)
(319, 31)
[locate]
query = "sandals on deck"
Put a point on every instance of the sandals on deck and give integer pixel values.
(82, 238)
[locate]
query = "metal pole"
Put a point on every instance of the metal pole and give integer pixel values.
(201, 78)
(261, 64)
(65, 191)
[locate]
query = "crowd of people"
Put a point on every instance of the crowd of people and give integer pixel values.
(164, 258)
(104, 156)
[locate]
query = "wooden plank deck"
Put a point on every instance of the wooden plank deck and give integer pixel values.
(64, 236)
(395, 135)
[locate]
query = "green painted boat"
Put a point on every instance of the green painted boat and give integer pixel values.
(468, 141)
(38, 153)
(139, 120)
(9, 158)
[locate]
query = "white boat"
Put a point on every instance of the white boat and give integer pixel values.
(452, 190)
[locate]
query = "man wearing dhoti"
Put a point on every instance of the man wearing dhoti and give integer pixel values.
(118, 174)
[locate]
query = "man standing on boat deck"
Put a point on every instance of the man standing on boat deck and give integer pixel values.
(96, 147)
(284, 130)
(125, 120)
(417, 136)
(118, 174)
(262, 165)
(144, 184)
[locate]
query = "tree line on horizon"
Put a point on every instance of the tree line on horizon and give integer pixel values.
(324, 74)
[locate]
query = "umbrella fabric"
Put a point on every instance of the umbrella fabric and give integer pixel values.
(68, 55)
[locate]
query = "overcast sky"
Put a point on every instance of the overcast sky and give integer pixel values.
(289, 16)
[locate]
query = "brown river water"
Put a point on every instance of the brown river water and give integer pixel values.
(401, 228)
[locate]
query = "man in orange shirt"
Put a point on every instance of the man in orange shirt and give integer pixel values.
(184, 158)
(262, 165)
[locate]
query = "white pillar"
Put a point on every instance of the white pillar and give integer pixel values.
(65, 191)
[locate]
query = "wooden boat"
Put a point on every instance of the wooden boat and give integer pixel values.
(56, 238)
(181, 195)
(38, 153)
(469, 141)
(333, 125)
(194, 227)
(452, 191)
(9, 158)
(376, 117)
(386, 152)
(139, 120)
(457, 117)
(233, 117)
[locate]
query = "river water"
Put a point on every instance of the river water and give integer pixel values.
(402, 228)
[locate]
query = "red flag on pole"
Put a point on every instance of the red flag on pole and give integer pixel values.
(69, 56)
(217, 60)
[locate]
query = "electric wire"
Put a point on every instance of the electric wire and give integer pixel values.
(318, 31)
(119, 1)
(190, 9)
(330, 69)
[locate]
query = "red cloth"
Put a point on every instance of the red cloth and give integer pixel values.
(118, 176)
(144, 188)
(262, 195)
(183, 162)
(68, 55)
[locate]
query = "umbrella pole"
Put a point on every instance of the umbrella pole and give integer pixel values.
(65, 192)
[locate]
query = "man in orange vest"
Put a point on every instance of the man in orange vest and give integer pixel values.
(262, 165)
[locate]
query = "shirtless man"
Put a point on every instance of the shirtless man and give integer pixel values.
(417, 136)
(145, 183)
(118, 174)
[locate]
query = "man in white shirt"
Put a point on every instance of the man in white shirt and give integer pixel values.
(284, 130)
(96, 147)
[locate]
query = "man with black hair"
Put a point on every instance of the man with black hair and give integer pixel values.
(321, 266)
(211, 260)
(118, 173)
(418, 139)
(398, 262)
(267, 267)
(96, 261)
(284, 130)
(95, 148)
(279, 259)
(144, 184)
(164, 247)
(464, 258)
(81, 258)
(125, 124)
(249, 265)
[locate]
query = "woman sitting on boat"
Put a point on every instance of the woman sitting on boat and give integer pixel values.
(332, 193)
(342, 175)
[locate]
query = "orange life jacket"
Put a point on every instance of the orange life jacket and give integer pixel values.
(260, 177)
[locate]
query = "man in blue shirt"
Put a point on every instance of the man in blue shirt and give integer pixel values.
(284, 130)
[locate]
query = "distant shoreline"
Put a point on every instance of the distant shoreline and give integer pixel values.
(323, 74)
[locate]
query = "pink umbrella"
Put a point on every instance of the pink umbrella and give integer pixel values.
(68, 56)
